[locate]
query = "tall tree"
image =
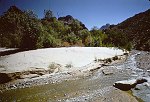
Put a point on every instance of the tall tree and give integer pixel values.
(48, 14)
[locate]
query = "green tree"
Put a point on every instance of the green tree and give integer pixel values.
(31, 14)
(118, 39)
(98, 36)
(48, 14)
(10, 27)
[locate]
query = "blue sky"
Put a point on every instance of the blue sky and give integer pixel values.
(90, 12)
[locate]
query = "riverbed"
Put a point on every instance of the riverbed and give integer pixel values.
(92, 86)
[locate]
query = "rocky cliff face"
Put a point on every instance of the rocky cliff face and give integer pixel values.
(68, 20)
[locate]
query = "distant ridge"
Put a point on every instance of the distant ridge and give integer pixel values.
(69, 20)
(105, 26)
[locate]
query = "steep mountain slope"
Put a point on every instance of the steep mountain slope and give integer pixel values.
(137, 30)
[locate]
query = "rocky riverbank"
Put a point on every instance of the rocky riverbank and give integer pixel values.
(95, 84)
(142, 62)
(92, 85)
(40, 76)
(139, 83)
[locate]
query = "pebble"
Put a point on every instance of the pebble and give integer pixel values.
(65, 94)
(13, 86)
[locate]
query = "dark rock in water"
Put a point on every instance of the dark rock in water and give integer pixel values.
(128, 84)
(140, 81)
(136, 88)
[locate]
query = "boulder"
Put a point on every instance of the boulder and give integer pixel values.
(126, 85)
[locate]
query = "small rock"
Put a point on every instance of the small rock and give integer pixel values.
(69, 73)
(109, 70)
(147, 84)
(138, 54)
(136, 88)
(13, 86)
(133, 72)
